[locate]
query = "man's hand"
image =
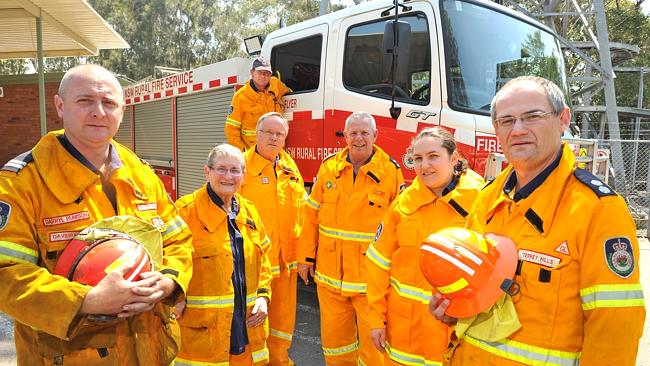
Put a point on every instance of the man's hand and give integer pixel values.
(259, 312)
(304, 271)
(151, 289)
(179, 309)
(378, 336)
(111, 294)
(438, 306)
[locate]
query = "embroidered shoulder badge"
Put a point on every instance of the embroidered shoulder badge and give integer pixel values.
(379, 230)
(5, 211)
(619, 256)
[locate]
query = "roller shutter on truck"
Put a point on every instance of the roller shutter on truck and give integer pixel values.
(153, 132)
(200, 123)
(123, 135)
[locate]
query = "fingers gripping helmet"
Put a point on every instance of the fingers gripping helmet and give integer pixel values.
(471, 270)
(89, 261)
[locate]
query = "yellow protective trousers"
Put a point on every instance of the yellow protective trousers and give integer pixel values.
(345, 330)
(282, 317)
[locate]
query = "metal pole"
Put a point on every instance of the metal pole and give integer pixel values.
(324, 5)
(41, 76)
(647, 189)
(637, 128)
(610, 93)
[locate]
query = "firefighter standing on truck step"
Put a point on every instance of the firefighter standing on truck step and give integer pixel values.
(261, 94)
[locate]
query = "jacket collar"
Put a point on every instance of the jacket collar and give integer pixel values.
(457, 191)
(548, 184)
(67, 176)
(374, 163)
(210, 213)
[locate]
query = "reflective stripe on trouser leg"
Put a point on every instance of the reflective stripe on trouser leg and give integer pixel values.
(368, 353)
(282, 317)
(338, 328)
(243, 359)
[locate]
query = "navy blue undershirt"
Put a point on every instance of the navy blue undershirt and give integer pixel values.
(529, 188)
(238, 334)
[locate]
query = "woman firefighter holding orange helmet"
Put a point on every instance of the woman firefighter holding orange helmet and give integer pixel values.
(441, 195)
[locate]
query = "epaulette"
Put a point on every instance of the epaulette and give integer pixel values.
(594, 183)
(329, 157)
(19, 162)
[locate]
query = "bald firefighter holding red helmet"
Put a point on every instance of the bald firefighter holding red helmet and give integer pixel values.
(580, 300)
(70, 180)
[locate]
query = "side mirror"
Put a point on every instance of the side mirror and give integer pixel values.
(397, 42)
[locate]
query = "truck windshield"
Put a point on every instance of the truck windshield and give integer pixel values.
(486, 48)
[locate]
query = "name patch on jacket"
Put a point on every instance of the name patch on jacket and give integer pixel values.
(63, 236)
(58, 220)
(538, 258)
(619, 256)
(5, 211)
(150, 206)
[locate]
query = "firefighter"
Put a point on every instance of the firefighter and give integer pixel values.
(580, 300)
(262, 93)
(275, 186)
(353, 190)
(398, 294)
(223, 320)
(71, 179)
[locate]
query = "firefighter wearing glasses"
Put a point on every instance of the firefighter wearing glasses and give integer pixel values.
(580, 301)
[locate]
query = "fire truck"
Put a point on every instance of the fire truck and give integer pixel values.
(411, 64)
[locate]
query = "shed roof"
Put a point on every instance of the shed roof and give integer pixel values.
(69, 28)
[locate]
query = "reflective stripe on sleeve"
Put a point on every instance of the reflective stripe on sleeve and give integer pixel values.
(378, 259)
(174, 226)
(217, 302)
(612, 296)
(185, 362)
(346, 234)
(232, 122)
(280, 334)
(261, 355)
(411, 292)
(340, 350)
(12, 252)
(358, 287)
(525, 353)
(410, 359)
(313, 204)
(248, 132)
(266, 243)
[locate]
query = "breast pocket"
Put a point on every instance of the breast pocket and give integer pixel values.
(406, 258)
(52, 242)
(541, 291)
(327, 211)
(209, 276)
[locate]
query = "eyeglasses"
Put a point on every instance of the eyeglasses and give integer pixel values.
(277, 135)
(526, 118)
(223, 171)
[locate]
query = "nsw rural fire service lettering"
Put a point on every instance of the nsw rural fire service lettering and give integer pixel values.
(157, 85)
(313, 153)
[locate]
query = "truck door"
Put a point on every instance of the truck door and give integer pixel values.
(299, 57)
(360, 83)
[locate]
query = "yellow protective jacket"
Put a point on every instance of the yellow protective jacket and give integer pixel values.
(205, 324)
(398, 293)
(46, 197)
(247, 105)
(342, 215)
(279, 195)
(580, 300)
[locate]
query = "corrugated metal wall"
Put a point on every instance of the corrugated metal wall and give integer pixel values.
(153, 131)
(200, 122)
(123, 135)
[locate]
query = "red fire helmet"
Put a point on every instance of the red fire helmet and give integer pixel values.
(88, 262)
(470, 269)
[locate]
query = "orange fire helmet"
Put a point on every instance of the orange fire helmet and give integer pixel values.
(89, 261)
(471, 270)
